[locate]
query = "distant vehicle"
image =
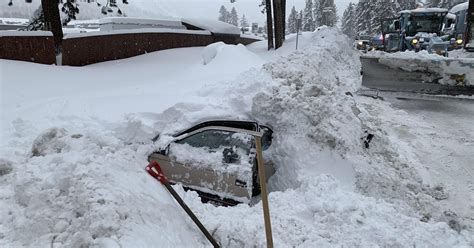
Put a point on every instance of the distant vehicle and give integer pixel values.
(217, 159)
(377, 42)
(418, 29)
(362, 42)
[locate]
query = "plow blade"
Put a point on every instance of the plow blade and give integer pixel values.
(425, 76)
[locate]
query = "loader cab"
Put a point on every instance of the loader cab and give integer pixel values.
(217, 159)
(419, 26)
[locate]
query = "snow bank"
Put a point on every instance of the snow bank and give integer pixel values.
(322, 165)
(217, 53)
(86, 185)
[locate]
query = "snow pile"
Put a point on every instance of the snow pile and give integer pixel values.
(320, 158)
(456, 70)
(86, 187)
(71, 165)
(217, 53)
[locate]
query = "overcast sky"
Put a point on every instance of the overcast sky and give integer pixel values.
(209, 8)
(165, 8)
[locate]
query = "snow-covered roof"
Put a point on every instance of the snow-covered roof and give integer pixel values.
(140, 21)
(424, 10)
(77, 22)
(213, 26)
(136, 31)
(11, 33)
(13, 21)
(459, 7)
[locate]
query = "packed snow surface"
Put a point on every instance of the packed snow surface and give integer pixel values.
(72, 158)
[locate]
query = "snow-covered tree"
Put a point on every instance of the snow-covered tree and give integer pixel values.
(308, 20)
(234, 18)
(223, 14)
(292, 28)
(348, 23)
(443, 3)
(243, 22)
(316, 12)
(326, 14)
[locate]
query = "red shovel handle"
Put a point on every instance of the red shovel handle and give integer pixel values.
(155, 171)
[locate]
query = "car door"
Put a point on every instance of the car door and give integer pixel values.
(216, 161)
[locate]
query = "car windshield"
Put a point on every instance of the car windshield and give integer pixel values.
(428, 24)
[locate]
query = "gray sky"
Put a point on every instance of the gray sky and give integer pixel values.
(166, 8)
(209, 8)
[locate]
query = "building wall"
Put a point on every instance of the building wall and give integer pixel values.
(79, 51)
(90, 49)
(38, 49)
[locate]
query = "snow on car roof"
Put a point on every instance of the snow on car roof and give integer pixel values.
(423, 10)
(213, 26)
(459, 7)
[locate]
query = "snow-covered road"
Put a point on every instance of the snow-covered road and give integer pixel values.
(445, 144)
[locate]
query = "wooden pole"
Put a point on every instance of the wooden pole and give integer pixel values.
(268, 9)
(278, 23)
(263, 190)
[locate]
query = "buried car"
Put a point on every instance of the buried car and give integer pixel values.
(218, 159)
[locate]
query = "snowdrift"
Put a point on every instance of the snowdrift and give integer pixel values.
(81, 181)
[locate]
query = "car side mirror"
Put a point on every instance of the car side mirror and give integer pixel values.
(164, 151)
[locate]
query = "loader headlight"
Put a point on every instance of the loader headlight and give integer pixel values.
(459, 41)
(414, 41)
(360, 43)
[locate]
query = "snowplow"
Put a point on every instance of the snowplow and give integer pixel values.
(217, 159)
(416, 30)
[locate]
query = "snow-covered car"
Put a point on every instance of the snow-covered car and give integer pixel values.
(217, 159)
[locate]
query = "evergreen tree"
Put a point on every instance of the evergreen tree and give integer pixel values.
(292, 21)
(326, 13)
(448, 4)
(348, 21)
(234, 18)
(308, 20)
(243, 22)
(316, 12)
(223, 14)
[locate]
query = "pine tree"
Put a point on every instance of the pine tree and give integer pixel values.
(326, 14)
(348, 21)
(223, 14)
(316, 12)
(243, 22)
(234, 18)
(292, 21)
(308, 20)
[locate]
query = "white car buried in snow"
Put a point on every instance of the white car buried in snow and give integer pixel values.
(217, 159)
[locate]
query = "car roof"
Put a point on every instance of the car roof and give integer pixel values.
(246, 125)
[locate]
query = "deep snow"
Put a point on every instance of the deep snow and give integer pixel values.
(72, 158)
